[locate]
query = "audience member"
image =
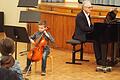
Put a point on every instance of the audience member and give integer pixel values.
(6, 74)
(7, 60)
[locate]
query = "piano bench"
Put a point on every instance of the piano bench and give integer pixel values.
(74, 43)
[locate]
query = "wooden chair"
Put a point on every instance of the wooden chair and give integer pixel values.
(49, 57)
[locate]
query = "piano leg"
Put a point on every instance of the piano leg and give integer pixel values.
(115, 54)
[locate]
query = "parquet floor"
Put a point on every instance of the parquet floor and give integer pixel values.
(63, 71)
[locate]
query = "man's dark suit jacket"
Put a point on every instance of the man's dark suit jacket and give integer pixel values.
(82, 28)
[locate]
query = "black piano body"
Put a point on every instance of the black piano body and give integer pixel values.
(107, 33)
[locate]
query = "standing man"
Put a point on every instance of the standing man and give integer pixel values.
(84, 28)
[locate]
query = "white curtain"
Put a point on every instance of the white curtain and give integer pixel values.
(112, 2)
(108, 2)
(117, 2)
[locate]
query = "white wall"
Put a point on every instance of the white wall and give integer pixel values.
(11, 12)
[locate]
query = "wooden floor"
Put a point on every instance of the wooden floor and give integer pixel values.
(63, 71)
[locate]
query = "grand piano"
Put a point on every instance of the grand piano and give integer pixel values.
(108, 34)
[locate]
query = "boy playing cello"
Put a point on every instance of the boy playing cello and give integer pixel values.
(46, 50)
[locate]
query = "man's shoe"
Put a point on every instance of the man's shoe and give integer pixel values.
(99, 62)
(43, 74)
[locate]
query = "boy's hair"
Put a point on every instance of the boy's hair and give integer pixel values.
(42, 23)
(6, 46)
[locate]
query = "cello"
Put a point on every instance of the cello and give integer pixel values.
(35, 54)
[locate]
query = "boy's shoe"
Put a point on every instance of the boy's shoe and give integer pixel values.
(25, 70)
(43, 73)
